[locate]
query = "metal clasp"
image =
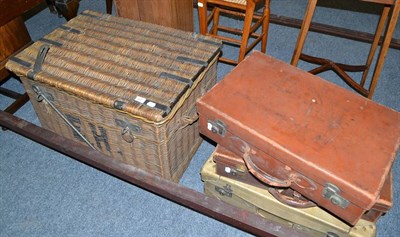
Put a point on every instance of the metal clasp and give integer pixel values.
(127, 130)
(125, 125)
(225, 190)
(217, 127)
(332, 193)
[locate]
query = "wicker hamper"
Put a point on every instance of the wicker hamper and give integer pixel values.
(124, 87)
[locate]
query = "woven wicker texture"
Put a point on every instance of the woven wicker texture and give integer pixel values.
(242, 2)
(142, 67)
(130, 88)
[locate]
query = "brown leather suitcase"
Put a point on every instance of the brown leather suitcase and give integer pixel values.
(230, 165)
(294, 129)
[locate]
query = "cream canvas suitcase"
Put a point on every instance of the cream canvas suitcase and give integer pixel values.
(313, 220)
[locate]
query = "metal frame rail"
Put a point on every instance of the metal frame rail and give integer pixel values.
(177, 193)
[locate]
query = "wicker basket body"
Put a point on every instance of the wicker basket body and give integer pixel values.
(128, 87)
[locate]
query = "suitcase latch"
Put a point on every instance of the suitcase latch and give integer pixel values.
(225, 190)
(217, 127)
(332, 193)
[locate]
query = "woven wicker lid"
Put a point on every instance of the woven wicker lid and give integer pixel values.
(135, 67)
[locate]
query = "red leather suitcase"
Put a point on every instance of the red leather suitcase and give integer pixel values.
(232, 166)
(294, 129)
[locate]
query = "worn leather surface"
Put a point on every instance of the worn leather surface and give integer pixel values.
(315, 132)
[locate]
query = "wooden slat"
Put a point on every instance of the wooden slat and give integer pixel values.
(389, 2)
(331, 30)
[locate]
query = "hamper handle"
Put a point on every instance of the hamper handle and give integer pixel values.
(41, 96)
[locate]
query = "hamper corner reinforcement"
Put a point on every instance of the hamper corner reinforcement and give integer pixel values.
(124, 87)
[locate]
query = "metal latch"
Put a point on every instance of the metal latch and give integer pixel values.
(42, 96)
(123, 124)
(225, 190)
(217, 127)
(233, 171)
(332, 193)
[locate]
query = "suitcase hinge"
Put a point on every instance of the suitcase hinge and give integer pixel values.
(332, 192)
(225, 190)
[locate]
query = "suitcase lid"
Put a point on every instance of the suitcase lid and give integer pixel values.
(135, 67)
(321, 130)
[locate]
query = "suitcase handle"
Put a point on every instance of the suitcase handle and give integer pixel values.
(291, 198)
(260, 174)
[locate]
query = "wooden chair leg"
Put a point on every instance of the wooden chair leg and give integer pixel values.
(248, 19)
(379, 29)
(215, 21)
(385, 46)
(265, 26)
(202, 10)
(303, 31)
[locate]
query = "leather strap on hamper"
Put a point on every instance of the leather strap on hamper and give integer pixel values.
(37, 67)
(190, 118)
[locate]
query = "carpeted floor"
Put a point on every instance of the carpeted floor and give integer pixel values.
(44, 193)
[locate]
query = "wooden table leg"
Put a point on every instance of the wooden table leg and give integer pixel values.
(68, 9)
(109, 5)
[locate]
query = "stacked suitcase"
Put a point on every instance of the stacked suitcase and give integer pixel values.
(299, 148)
